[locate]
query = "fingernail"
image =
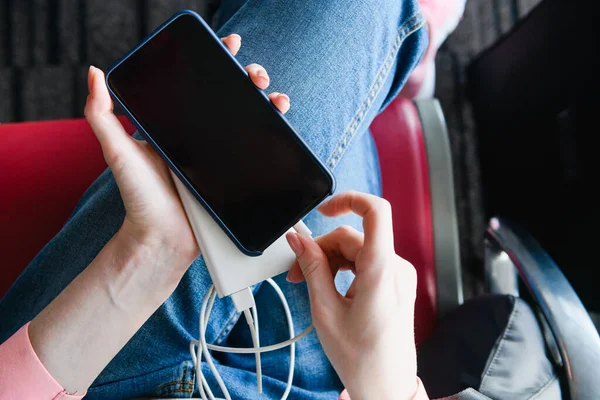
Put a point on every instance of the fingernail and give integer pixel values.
(261, 73)
(295, 243)
(236, 35)
(285, 96)
(291, 278)
(294, 275)
(91, 71)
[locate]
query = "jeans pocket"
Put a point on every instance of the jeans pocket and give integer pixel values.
(175, 381)
(182, 385)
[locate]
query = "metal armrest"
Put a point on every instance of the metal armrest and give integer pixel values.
(443, 206)
(570, 324)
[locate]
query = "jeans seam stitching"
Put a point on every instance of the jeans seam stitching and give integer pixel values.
(164, 386)
(409, 27)
(182, 378)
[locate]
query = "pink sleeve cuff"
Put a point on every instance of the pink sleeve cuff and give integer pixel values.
(22, 374)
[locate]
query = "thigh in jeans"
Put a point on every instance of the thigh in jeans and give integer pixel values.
(340, 62)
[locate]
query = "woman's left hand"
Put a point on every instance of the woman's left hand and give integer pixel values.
(90, 321)
(155, 218)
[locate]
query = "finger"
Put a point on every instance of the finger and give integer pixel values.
(314, 266)
(233, 43)
(99, 113)
(351, 290)
(375, 212)
(281, 101)
(258, 75)
(295, 274)
(336, 264)
(344, 241)
(340, 246)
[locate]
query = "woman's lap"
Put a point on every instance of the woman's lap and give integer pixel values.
(340, 62)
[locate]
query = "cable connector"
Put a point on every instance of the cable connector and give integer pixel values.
(243, 300)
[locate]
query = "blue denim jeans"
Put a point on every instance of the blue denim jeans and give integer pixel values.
(340, 62)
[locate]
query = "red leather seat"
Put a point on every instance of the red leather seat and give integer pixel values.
(44, 169)
(46, 166)
(405, 179)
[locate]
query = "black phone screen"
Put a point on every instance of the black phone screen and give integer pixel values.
(220, 131)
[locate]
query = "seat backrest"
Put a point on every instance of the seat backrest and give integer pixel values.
(400, 143)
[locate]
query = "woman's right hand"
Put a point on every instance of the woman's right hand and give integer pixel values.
(368, 334)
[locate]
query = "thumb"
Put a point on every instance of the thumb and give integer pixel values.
(99, 113)
(314, 266)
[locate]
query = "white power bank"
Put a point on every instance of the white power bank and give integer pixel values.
(230, 269)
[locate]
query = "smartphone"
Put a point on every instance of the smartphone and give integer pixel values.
(220, 134)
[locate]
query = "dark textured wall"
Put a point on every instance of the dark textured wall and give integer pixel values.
(46, 47)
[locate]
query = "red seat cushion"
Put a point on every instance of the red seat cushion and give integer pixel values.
(405, 178)
(44, 169)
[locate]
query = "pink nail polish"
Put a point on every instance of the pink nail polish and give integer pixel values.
(295, 243)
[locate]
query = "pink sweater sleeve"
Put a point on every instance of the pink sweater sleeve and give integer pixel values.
(22, 375)
(420, 394)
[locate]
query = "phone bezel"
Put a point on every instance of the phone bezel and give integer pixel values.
(174, 167)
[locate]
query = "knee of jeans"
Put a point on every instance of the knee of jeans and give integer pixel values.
(345, 16)
(409, 55)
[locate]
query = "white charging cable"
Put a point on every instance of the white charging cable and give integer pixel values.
(244, 302)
